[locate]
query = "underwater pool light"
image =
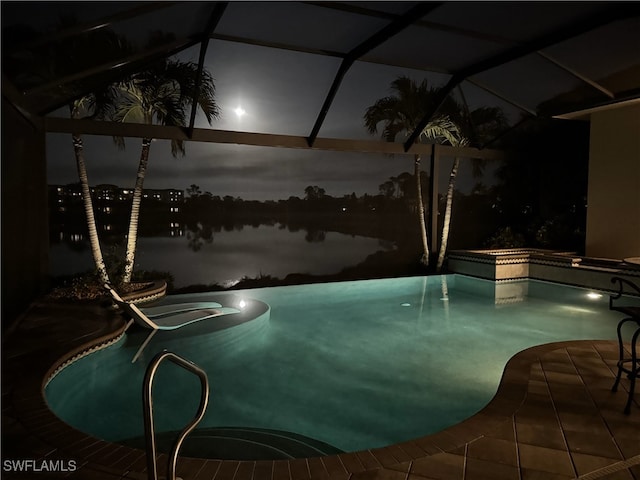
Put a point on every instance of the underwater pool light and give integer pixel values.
(594, 295)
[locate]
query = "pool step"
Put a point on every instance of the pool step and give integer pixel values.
(238, 443)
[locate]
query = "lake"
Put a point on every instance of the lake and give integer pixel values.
(231, 255)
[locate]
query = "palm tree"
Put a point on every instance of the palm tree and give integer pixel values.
(400, 114)
(69, 55)
(77, 108)
(163, 94)
(480, 124)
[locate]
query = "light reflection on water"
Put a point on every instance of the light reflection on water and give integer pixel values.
(232, 255)
(357, 365)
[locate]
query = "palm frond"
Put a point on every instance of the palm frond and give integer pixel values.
(443, 129)
(164, 94)
(119, 142)
(129, 109)
(206, 97)
(177, 147)
(410, 102)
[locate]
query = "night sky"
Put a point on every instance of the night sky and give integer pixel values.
(252, 173)
(281, 92)
(276, 100)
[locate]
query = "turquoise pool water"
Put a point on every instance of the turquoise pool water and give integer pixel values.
(356, 364)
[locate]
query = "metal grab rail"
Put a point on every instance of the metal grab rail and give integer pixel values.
(149, 430)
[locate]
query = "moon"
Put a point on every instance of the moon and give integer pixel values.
(239, 111)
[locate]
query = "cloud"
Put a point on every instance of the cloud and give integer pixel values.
(282, 93)
(242, 171)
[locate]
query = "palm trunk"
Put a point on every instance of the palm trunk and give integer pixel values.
(96, 251)
(447, 214)
(132, 236)
(423, 227)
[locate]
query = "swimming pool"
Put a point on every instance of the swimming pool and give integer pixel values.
(355, 365)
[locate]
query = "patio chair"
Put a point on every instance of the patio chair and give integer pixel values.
(169, 317)
(630, 365)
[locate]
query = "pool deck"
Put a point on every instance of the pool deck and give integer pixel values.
(554, 417)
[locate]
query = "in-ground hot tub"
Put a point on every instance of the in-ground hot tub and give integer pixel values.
(509, 265)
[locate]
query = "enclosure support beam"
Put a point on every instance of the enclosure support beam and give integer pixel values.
(602, 17)
(92, 26)
(396, 26)
(218, 11)
(162, 132)
(576, 74)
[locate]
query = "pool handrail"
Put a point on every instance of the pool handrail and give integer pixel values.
(149, 430)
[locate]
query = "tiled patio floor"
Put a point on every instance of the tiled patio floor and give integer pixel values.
(554, 417)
